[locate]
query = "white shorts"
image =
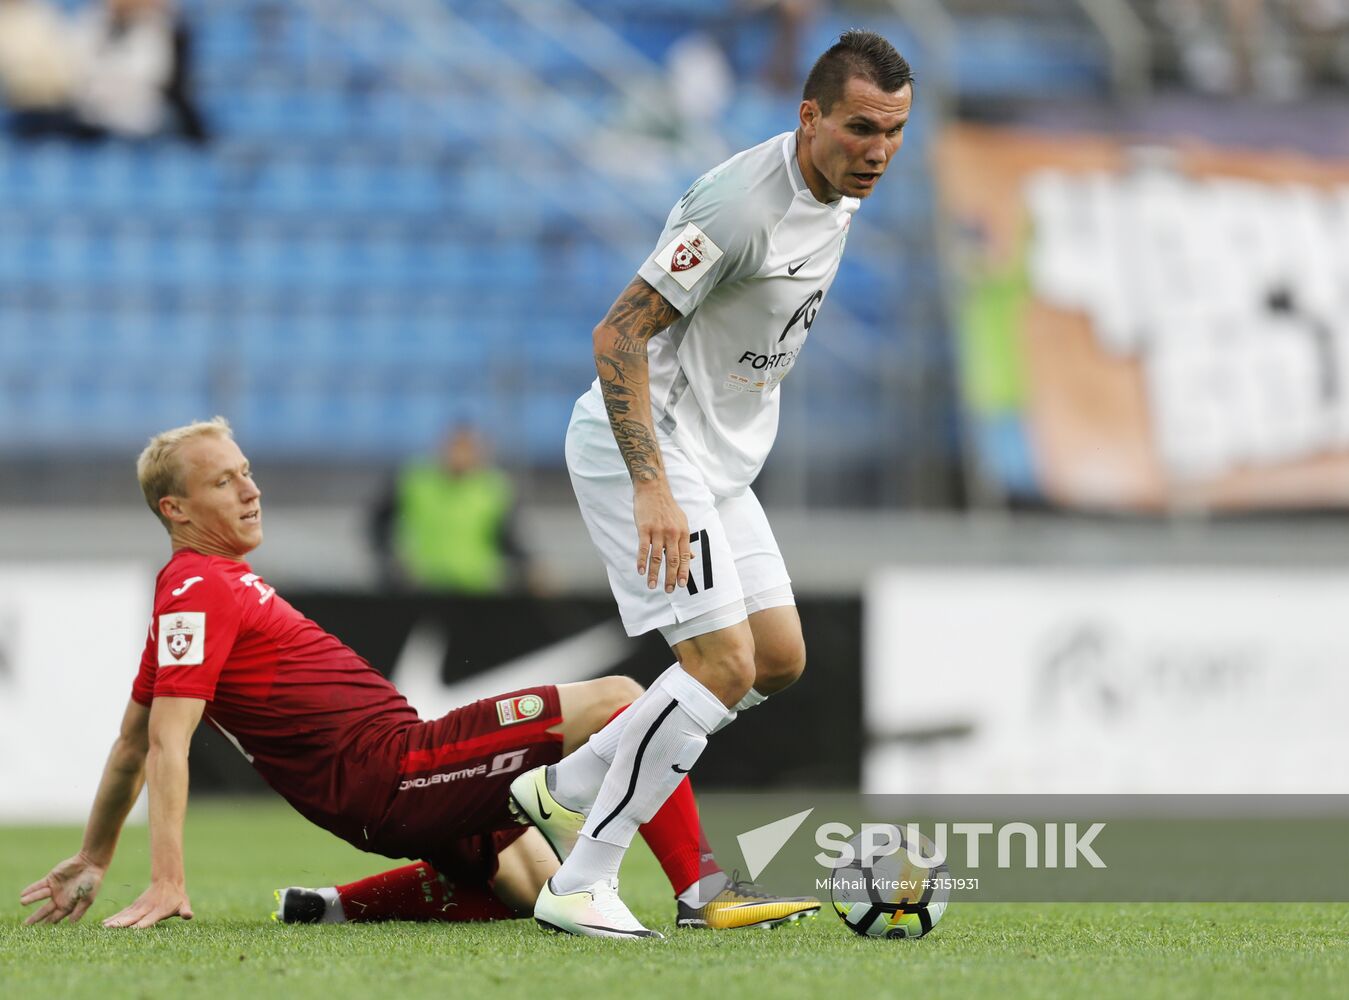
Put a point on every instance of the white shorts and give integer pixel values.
(736, 568)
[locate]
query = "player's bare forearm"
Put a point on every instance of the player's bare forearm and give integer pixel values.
(168, 810)
(120, 786)
(123, 778)
(69, 889)
(172, 721)
(620, 341)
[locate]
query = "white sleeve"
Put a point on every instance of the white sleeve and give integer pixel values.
(713, 236)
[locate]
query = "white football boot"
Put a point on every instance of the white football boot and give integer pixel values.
(532, 802)
(595, 911)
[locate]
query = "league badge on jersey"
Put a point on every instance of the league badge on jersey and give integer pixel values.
(527, 706)
(689, 256)
(182, 638)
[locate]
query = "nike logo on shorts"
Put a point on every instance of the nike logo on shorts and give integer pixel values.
(793, 270)
(680, 770)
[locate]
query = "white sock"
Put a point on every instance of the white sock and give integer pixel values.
(704, 889)
(751, 699)
(595, 861)
(333, 912)
(575, 780)
(664, 738)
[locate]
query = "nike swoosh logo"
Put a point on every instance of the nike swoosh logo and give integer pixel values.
(416, 672)
(793, 270)
(617, 930)
(680, 770)
(187, 585)
(542, 811)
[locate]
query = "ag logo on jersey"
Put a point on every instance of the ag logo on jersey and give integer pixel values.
(527, 706)
(689, 256)
(182, 638)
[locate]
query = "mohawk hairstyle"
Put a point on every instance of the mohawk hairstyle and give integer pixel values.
(856, 53)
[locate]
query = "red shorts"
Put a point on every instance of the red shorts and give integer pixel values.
(454, 776)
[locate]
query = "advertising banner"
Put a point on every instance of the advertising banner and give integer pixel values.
(1069, 682)
(443, 652)
(1148, 327)
(71, 637)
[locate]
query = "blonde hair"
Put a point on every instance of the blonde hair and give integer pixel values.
(158, 470)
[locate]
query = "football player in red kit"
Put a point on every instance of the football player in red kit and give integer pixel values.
(335, 738)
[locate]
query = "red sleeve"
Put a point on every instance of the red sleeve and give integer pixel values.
(191, 637)
(143, 690)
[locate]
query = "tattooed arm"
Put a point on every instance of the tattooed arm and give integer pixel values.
(639, 314)
(620, 343)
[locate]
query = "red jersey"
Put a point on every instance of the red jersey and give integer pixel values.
(312, 716)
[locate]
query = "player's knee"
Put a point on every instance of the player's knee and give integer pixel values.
(779, 665)
(732, 673)
(617, 691)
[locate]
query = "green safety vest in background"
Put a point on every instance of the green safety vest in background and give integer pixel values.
(449, 527)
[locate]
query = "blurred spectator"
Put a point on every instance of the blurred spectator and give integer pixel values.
(1237, 46)
(1326, 24)
(37, 72)
(129, 75)
(791, 20)
(449, 523)
(669, 121)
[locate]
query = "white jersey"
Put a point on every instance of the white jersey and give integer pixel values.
(747, 256)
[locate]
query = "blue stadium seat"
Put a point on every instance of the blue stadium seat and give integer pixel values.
(353, 263)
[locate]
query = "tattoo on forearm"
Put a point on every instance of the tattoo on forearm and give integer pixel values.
(635, 441)
(639, 314)
(639, 449)
(617, 398)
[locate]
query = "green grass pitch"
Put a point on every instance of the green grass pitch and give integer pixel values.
(239, 851)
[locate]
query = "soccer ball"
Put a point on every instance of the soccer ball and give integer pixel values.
(891, 894)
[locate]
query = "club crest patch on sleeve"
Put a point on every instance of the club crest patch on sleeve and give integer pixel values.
(689, 256)
(182, 638)
(521, 709)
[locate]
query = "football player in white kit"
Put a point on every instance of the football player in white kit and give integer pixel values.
(662, 451)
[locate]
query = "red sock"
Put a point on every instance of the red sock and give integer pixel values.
(419, 892)
(675, 836)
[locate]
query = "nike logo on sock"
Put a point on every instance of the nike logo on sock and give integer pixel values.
(680, 770)
(793, 270)
(543, 813)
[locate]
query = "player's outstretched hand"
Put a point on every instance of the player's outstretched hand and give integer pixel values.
(159, 902)
(69, 890)
(662, 534)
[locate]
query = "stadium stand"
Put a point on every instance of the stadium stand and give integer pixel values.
(415, 213)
